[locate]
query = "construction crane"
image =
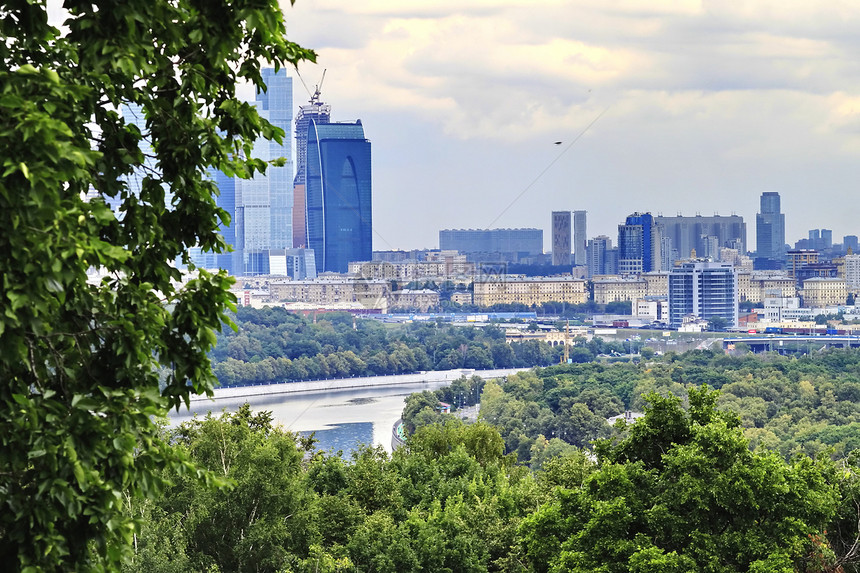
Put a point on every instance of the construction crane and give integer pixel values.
(315, 96)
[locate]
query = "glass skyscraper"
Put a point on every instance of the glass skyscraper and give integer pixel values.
(338, 195)
(770, 232)
(320, 113)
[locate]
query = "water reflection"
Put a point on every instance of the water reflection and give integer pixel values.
(342, 419)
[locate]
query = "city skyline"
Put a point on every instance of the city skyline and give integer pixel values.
(704, 107)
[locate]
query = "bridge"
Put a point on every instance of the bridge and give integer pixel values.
(781, 343)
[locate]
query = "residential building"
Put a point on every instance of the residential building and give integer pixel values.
(608, 290)
(461, 297)
(580, 236)
(598, 256)
(704, 234)
(528, 290)
(704, 290)
(338, 194)
(657, 283)
(798, 258)
(770, 232)
(421, 300)
(506, 244)
(561, 238)
(823, 292)
(369, 292)
(851, 272)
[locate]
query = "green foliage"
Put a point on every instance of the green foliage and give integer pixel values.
(271, 345)
(683, 492)
(81, 359)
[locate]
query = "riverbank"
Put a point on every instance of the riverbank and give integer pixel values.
(348, 383)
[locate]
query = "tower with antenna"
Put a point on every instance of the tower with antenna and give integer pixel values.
(320, 112)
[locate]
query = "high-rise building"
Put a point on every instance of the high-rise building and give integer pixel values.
(320, 113)
(510, 242)
(850, 242)
(705, 290)
(338, 195)
(688, 233)
(770, 231)
(826, 238)
(561, 238)
(276, 105)
(598, 247)
(580, 234)
(639, 245)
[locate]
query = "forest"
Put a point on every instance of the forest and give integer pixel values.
(738, 464)
(272, 345)
(807, 405)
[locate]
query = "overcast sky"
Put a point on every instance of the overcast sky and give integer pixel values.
(699, 108)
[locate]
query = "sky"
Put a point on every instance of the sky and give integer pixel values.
(663, 106)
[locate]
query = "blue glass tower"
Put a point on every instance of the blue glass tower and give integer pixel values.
(338, 195)
(276, 105)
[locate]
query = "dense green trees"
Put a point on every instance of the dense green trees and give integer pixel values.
(679, 491)
(81, 357)
(273, 345)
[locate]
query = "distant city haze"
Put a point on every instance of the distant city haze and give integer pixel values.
(704, 107)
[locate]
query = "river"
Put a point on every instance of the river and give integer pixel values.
(340, 419)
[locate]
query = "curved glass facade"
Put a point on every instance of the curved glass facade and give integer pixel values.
(338, 195)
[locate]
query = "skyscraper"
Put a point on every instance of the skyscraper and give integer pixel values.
(320, 113)
(770, 232)
(598, 247)
(561, 238)
(276, 105)
(639, 245)
(580, 239)
(688, 233)
(338, 195)
(705, 290)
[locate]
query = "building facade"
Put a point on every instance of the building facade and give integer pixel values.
(529, 290)
(580, 238)
(561, 238)
(515, 242)
(639, 245)
(700, 233)
(823, 292)
(770, 231)
(608, 290)
(704, 290)
(321, 113)
(338, 198)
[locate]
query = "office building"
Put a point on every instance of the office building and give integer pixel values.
(850, 242)
(321, 113)
(561, 238)
(826, 238)
(580, 239)
(338, 187)
(770, 232)
(704, 234)
(704, 290)
(639, 245)
(511, 244)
